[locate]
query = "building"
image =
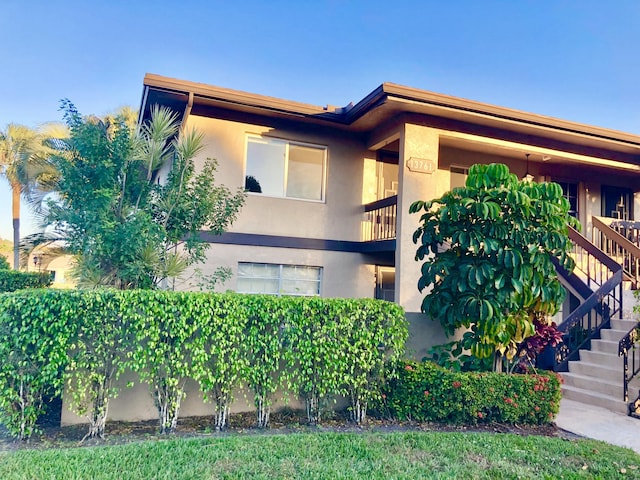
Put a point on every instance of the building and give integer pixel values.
(329, 190)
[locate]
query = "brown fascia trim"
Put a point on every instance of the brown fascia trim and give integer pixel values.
(509, 114)
(385, 92)
(239, 97)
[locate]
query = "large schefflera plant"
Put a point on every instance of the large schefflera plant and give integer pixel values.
(487, 253)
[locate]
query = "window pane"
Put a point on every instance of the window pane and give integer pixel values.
(265, 166)
(258, 278)
(278, 279)
(299, 287)
(300, 280)
(305, 174)
(258, 270)
(296, 272)
(570, 192)
(257, 285)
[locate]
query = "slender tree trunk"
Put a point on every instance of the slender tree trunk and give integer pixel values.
(15, 206)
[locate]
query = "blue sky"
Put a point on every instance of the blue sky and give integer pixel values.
(577, 60)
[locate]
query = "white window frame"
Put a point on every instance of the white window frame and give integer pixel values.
(458, 169)
(288, 143)
(280, 279)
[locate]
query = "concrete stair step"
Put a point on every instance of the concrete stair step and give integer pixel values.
(604, 359)
(594, 398)
(605, 346)
(594, 370)
(610, 387)
(612, 335)
(624, 324)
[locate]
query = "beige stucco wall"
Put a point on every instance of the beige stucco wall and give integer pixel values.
(337, 218)
(422, 143)
(344, 274)
(135, 403)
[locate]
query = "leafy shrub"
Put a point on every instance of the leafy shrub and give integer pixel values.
(167, 349)
(365, 325)
(12, 280)
(428, 392)
(36, 327)
(310, 346)
(339, 347)
(221, 322)
(97, 356)
(496, 275)
(263, 349)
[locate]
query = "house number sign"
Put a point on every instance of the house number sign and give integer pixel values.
(421, 165)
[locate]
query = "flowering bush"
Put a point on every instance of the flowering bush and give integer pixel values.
(427, 392)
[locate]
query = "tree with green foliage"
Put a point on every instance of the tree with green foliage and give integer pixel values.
(24, 162)
(130, 204)
(487, 252)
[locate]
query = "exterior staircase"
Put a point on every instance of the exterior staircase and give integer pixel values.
(597, 378)
(593, 360)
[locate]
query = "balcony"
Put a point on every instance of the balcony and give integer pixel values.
(379, 222)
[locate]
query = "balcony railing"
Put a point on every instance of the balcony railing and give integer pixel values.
(380, 220)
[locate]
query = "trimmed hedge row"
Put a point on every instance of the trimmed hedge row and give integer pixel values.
(312, 347)
(12, 280)
(428, 392)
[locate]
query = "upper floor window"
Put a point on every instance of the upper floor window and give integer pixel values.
(570, 192)
(279, 168)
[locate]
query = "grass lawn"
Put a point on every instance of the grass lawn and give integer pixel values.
(331, 455)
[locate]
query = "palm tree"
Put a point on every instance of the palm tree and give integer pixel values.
(24, 162)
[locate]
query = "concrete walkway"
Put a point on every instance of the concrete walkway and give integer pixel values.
(599, 424)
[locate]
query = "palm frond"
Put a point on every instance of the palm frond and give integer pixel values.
(189, 144)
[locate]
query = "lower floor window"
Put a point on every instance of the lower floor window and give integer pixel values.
(273, 279)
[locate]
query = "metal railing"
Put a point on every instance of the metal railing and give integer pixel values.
(620, 240)
(603, 276)
(627, 348)
(380, 220)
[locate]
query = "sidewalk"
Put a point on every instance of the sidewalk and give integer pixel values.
(599, 424)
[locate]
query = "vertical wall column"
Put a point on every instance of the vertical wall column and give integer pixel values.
(417, 179)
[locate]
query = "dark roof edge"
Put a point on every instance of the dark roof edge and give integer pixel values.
(383, 93)
(508, 114)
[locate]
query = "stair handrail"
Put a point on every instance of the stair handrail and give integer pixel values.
(630, 253)
(594, 303)
(629, 249)
(625, 345)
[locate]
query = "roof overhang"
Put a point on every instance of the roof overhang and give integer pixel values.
(388, 102)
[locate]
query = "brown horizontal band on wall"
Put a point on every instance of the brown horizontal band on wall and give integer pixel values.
(256, 240)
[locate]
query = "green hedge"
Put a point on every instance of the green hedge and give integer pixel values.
(313, 347)
(12, 280)
(35, 331)
(427, 392)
